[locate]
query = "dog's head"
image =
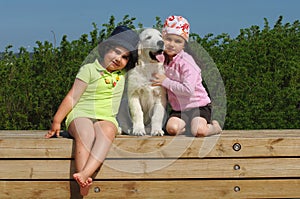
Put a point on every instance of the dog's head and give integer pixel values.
(151, 44)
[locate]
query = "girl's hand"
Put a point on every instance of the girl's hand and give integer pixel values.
(55, 129)
(157, 79)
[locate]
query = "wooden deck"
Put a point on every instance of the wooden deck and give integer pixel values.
(235, 164)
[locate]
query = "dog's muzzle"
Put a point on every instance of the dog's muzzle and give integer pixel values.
(160, 50)
(161, 44)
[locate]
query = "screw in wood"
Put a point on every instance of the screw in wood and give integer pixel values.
(236, 167)
(97, 190)
(237, 146)
(237, 189)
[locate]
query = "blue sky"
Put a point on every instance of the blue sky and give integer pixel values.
(23, 22)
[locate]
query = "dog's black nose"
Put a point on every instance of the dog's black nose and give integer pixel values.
(160, 44)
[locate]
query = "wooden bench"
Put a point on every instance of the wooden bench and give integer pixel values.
(235, 164)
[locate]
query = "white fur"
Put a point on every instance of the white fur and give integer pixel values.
(146, 102)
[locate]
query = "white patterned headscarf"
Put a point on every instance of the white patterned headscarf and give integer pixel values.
(176, 25)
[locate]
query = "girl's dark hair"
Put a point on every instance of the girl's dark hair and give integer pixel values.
(103, 49)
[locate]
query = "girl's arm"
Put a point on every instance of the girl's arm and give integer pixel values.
(66, 106)
(189, 77)
(186, 86)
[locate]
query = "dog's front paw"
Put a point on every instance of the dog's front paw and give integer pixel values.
(159, 132)
(138, 131)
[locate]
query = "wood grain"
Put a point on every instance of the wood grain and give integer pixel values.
(235, 164)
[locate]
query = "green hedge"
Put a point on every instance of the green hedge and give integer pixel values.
(260, 69)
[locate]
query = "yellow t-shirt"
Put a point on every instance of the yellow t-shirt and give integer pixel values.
(101, 100)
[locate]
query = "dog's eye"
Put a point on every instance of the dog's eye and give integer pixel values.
(149, 37)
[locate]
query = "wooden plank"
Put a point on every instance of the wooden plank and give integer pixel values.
(30, 134)
(262, 133)
(235, 164)
(156, 168)
(214, 146)
(198, 189)
(225, 133)
(274, 188)
(158, 147)
(36, 169)
(36, 148)
(35, 189)
(200, 168)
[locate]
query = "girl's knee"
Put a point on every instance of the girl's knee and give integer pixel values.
(175, 128)
(106, 128)
(200, 132)
(172, 131)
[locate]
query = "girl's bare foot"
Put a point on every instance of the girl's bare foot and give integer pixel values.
(85, 190)
(80, 179)
(216, 126)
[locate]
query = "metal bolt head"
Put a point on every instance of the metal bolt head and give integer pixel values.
(236, 167)
(97, 190)
(237, 189)
(237, 146)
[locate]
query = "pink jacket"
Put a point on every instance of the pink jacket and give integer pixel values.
(184, 83)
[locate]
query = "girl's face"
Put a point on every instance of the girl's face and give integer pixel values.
(173, 44)
(116, 58)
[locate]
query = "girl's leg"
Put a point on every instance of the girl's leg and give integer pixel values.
(200, 128)
(175, 126)
(105, 132)
(83, 132)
